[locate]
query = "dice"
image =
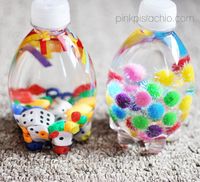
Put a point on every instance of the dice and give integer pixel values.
(38, 133)
(60, 109)
(61, 138)
(35, 117)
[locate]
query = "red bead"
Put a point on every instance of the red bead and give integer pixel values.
(181, 63)
(76, 116)
(54, 134)
(22, 95)
(36, 89)
(61, 149)
(173, 128)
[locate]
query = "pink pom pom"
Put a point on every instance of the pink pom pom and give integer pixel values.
(142, 99)
(131, 88)
(134, 72)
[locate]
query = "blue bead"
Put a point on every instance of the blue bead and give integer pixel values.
(17, 109)
(65, 95)
(118, 112)
(34, 146)
(156, 111)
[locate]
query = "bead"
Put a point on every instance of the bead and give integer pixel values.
(91, 101)
(154, 90)
(57, 126)
(71, 127)
(82, 120)
(173, 128)
(134, 107)
(47, 98)
(172, 98)
(156, 111)
(165, 77)
(134, 72)
(52, 92)
(154, 131)
(123, 100)
(188, 73)
(114, 88)
(81, 89)
(43, 103)
(169, 119)
(185, 103)
(140, 122)
(118, 112)
(75, 116)
(87, 93)
(34, 146)
(142, 99)
(184, 116)
(61, 149)
(65, 95)
(36, 89)
(84, 109)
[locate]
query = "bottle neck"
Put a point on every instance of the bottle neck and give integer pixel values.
(57, 32)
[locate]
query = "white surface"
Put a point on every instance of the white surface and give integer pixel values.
(158, 15)
(50, 14)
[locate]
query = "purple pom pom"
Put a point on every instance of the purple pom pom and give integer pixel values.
(154, 131)
(123, 100)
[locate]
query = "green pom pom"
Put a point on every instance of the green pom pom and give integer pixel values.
(82, 120)
(154, 90)
(57, 126)
(140, 122)
(169, 119)
(172, 98)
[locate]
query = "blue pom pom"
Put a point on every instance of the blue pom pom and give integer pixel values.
(118, 112)
(114, 88)
(156, 111)
(34, 146)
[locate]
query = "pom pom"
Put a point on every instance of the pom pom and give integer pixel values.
(185, 103)
(123, 100)
(140, 122)
(142, 99)
(82, 120)
(114, 88)
(172, 98)
(188, 73)
(169, 119)
(165, 77)
(134, 73)
(76, 116)
(154, 90)
(154, 131)
(156, 111)
(131, 88)
(118, 112)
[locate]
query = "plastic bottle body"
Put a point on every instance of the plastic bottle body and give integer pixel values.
(150, 88)
(52, 74)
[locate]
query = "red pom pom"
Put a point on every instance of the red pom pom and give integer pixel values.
(76, 116)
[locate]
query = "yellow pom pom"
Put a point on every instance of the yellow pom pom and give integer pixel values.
(186, 103)
(71, 127)
(109, 100)
(165, 77)
(184, 116)
(188, 73)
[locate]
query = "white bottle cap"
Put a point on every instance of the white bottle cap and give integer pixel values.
(50, 14)
(157, 15)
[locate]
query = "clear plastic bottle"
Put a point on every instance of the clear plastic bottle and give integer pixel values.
(52, 83)
(151, 81)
